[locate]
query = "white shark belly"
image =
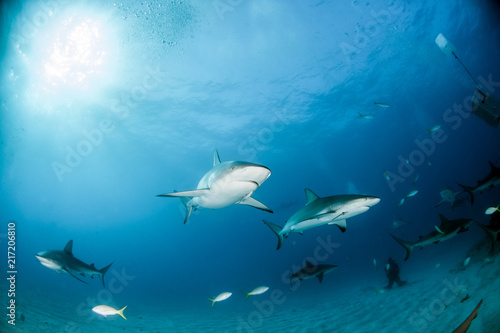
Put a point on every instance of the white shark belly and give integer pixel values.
(224, 193)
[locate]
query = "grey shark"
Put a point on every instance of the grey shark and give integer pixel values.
(448, 195)
(64, 261)
(490, 181)
(311, 271)
(447, 230)
(227, 183)
(318, 211)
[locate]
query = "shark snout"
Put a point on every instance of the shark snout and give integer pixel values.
(372, 201)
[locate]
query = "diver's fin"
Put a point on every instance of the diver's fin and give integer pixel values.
(254, 203)
(407, 245)
(276, 229)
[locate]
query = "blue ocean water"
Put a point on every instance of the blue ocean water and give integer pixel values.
(107, 104)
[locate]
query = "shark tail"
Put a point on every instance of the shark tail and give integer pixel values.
(103, 271)
(407, 245)
(469, 190)
(276, 229)
(120, 312)
(246, 295)
(493, 234)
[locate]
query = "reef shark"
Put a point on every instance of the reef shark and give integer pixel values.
(448, 195)
(447, 230)
(318, 211)
(227, 183)
(311, 271)
(64, 261)
(490, 181)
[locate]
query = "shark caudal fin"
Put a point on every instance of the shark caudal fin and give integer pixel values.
(493, 234)
(469, 190)
(276, 229)
(407, 245)
(120, 312)
(102, 272)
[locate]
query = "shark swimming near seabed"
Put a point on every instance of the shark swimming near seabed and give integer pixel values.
(227, 183)
(447, 230)
(64, 261)
(333, 210)
(490, 181)
(311, 271)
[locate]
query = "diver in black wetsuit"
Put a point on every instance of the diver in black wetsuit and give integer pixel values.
(392, 272)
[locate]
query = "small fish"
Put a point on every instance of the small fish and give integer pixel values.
(387, 267)
(366, 116)
(491, 210)
(416, 178)
(386, 176)
(439, 230)
(382, 105)
(465, 298)
(220, 297)
(402, 202)
(433, 128)
(438, 265)
(411, 194)
(379, 291)
(375, 264)
(466, 262)
(256, 291)
(108, 311)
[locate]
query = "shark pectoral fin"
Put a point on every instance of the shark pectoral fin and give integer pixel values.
(320, 277)
(254, 203)
(193, 193)
(276, 229)
(73, 275)
(440, 203)
(341, 224)
(407, 245)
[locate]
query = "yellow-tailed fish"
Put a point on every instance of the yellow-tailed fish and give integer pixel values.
(106, 310)
(256, 291)
(386, 176)
(411, 194)
(439, 230)
(466, 262)
(365, 116)
(491, 210)
(416, 178)
(220, 297)
(402, 202)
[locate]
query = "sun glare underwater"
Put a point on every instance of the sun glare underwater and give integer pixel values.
(250, 166)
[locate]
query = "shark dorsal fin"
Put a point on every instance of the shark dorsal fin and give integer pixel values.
(69, 247)
(308, 264)
(92, 266)
(310, 196)
(216, 157)
(493, 167)
(444, 220)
